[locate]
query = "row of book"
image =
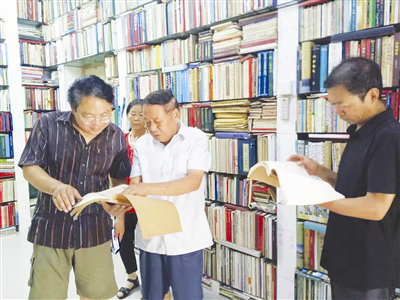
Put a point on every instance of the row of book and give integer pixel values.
(6, 121)
(317, 114)
(41, 98)
(253, 275)
(32, 53)
(3, 76)
(131, 29)
(315, 61)
(78, 44)
(197, 115)
(30, 118)
(227, 188)
(54, 9)
(251, 229)
(3, 54)
(7, 215)
(233, 156)
(7, 190)
(338, 16)
(310, 241)
(192, 49)
(6, 145)
(5, 100)
(311, 284)
(160, 19)
(72, 21)
(30, 10)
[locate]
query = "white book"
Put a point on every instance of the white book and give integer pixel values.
(298, 187)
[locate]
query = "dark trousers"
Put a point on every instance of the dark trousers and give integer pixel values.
(127, 251)
(341, 292)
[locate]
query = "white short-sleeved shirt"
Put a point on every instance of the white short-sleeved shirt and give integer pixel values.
(155, 162)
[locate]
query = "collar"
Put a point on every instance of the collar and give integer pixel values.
(368, 127)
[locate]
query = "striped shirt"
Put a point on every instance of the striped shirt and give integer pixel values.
(61, 151)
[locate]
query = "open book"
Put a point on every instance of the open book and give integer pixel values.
(155, 216)
(298, 188)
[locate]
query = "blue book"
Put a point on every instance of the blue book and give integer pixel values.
(323, 69)
(265, 73)
(260, 65)
(388, 96)
(232, 135)
(315, 226)
(247, 155)
(270, 73)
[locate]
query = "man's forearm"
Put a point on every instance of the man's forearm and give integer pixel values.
(327, 175)
(42, 181)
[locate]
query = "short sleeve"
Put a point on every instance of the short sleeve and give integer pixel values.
(136, 169)
(199, 156)
(384, 165)
(121, 166)
(35, 151)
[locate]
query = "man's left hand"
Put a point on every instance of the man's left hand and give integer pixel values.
(138, 189)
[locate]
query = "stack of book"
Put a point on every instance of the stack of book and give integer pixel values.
(260, 32)
(262, 118)
(231, 115)
(226, 39)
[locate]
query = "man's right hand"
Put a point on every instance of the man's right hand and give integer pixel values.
(64, 197)
(310, 165)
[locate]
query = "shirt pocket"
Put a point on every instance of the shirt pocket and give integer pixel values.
(180, 165)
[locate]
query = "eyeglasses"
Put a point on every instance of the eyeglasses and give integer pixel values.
(92, 120)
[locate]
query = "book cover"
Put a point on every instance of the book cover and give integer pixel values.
(155, 216)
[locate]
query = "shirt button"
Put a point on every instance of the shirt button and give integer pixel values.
(81, 183)
(83, 165)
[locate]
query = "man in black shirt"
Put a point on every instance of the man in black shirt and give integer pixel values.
(362, 242)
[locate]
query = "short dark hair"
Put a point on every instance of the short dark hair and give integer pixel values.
(162, 97)
(358, 75)
(132, 103)
(86, 86)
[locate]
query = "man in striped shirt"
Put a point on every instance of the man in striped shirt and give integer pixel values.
(68, 155)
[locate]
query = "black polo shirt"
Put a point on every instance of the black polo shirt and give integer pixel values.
(357, 252)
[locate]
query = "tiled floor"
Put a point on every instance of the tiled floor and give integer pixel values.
(15, 253)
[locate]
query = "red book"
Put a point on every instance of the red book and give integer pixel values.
(228, 225)
(312, 252)
(368, 51)
(261, 233)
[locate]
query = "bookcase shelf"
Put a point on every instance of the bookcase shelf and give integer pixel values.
(29, 23)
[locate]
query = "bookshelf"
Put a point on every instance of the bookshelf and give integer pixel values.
(348, 29)
(8, 218)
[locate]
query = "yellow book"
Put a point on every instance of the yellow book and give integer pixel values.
(155, 216)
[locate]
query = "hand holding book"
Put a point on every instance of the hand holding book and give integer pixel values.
(155, 216)
(298, 187)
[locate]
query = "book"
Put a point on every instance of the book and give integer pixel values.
(155, 216)
(298, 187)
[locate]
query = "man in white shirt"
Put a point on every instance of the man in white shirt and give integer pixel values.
(169, 163)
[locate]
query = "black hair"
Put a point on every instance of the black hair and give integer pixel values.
(132, 103)
(89, 86)
(164, 98)
(358, 75)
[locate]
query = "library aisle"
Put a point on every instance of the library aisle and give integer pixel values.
(15, 253)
